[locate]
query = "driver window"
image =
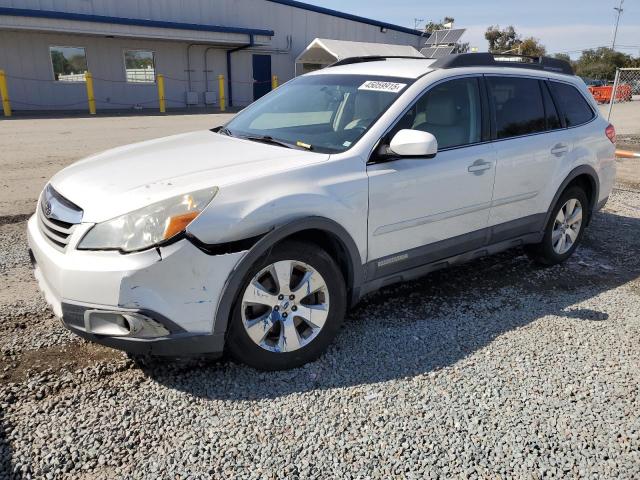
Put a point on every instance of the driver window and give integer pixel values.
(450, 111)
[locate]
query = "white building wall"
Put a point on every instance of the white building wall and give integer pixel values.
(25, 54)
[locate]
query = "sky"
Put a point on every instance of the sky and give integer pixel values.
(566, 26)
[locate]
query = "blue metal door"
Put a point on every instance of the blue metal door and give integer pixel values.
(261, 75)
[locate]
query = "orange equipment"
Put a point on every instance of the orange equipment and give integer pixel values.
(603, 94)
(627, 154)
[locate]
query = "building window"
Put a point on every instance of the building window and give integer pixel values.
(69, 63)
(140, 66)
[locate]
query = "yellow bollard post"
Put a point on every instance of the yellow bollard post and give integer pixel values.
(161, 98)
(274, 82)
(221, 93)
(4, 92)
(90, 96)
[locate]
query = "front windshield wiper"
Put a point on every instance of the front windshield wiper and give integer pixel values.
(224, 131)
(269, 140)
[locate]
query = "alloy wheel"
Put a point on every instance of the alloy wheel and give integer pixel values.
(285, 306)
(566, 227)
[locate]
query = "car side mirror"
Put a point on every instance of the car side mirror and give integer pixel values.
(414, 143)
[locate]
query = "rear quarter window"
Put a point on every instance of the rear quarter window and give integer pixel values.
(573, 106)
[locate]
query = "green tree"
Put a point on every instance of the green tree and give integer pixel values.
(432, 26)
(532, 47)
(601, 63)
(77, 64)
(566, 58)
(60, 64)
(501, 41)
(507, 40)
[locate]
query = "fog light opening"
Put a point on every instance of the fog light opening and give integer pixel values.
(122, 324)
(125, 323)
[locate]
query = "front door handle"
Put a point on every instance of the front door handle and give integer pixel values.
(478, 167)
(559, 149)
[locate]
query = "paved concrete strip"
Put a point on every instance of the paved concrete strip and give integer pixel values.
(35, 149)
(625, 117)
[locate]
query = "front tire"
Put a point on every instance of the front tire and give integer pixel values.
(564, 230)
(289, 308)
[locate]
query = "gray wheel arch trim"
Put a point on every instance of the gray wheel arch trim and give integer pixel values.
(262, 247)
(576, 172)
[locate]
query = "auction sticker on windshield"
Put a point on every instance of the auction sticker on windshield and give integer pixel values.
(379, 86)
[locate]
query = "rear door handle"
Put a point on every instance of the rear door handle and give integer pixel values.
(560, 149)
(478, 167)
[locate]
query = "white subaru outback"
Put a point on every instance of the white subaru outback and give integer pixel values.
(257, 236)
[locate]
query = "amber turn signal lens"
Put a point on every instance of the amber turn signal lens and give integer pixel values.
(178, 223)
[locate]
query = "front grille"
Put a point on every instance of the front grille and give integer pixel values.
(57, 232)
(53, 226)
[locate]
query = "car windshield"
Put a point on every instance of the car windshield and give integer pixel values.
(323, 113)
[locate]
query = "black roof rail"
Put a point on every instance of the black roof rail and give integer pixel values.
(372, 58)
(503, 60)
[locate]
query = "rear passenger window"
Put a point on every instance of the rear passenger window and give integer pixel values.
(550, 112)
(518, 106)
(572, 104)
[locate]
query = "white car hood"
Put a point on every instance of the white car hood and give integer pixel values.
(126, 178)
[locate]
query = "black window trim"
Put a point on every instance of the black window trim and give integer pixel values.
(545, 87)
(594, 114)
(483, 114)
(493, 132)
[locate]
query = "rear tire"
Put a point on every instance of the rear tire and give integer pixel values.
(564, 230)
(289, 308)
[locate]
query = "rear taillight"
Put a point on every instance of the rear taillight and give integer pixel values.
(610, 132)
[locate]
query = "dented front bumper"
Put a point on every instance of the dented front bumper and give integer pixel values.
(178, 286)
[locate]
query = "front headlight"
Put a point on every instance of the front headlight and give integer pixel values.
(148, 226)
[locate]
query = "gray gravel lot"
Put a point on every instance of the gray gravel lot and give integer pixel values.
(494, 369)
(497, 369)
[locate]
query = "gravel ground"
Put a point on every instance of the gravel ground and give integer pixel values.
(496, 369)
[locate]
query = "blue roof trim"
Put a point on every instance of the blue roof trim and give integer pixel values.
(25, 12)
(347, 16)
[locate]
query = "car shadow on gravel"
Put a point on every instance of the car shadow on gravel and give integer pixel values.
(425, 325)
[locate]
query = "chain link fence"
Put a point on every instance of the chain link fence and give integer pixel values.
(626, 88)
(621, 103)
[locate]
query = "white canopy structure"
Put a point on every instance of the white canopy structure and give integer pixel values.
(324, 51)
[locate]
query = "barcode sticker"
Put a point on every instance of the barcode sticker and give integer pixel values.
(379, 86)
